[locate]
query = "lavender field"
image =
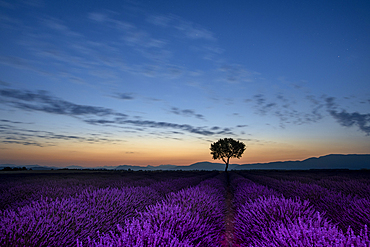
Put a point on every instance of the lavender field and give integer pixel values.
(185, 208)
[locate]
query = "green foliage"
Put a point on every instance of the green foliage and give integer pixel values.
(227, 148)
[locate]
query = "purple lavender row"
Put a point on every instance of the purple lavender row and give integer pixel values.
(346, 183)
(316, 175)
(348, 187)
(60, 221)
(190, 217)
(345, 210)
(265, 218)
(245, 190)
(18, 192)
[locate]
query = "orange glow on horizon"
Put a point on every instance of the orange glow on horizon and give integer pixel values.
(163, 152)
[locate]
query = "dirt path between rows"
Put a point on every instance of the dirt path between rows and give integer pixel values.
(229, 219)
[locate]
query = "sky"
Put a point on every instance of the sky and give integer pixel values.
(96, 83)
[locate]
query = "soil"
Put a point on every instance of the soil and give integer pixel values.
(229, 240)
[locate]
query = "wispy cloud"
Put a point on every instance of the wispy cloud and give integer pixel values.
(236, 73)
(4, 83)
(11, 122)
(22, 63)
(201, 40)
(285, 109)
(42, 101)
(188, 29)
(193, 31)
(59, 26)
(54, 46)
(124, 96)
(205, 131)
(98, 17)
(186, 113)
(346, 119)
(160, 20)
(211, 52)
(291, 111)
(362, 121)
(139, 39)
(11, 134)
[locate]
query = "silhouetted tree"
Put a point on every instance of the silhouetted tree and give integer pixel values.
(227, 148)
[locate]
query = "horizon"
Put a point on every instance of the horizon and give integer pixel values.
(151, 83)
(187, 165)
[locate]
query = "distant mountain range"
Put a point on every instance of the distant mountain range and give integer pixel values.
(332, 161)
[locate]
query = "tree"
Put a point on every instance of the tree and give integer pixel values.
(227, 148)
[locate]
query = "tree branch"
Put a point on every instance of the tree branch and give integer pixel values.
(223, 160)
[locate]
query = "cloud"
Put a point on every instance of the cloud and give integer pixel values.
(130, 48)
(124, 96)
(23, 143)
(205, 131)
(289, 111)
(184, 29)
(43, 102)
(362, 121)
(139, 39)
(193, 31)
(186, 113)
(162, 21)
(65, 49)
(188, 29)
(21, 63)
(58, 25)
(10, 134)
(286, 109)
(60, 54)
(262, 106)
(99, 17)
(136, 37)
(346, 119)
(3, 83)
(330, 103)
(211, 52)
(9, 121)
(236, 73)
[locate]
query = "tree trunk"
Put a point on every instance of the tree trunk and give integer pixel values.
(227, 164)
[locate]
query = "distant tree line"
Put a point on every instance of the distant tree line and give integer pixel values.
(15, 169)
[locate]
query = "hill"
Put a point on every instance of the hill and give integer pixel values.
(331, 161)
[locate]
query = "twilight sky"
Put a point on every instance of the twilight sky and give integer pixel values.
(156, 82)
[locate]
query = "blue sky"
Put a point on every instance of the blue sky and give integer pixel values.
(156, 82)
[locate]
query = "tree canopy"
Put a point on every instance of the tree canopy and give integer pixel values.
(227, 148)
